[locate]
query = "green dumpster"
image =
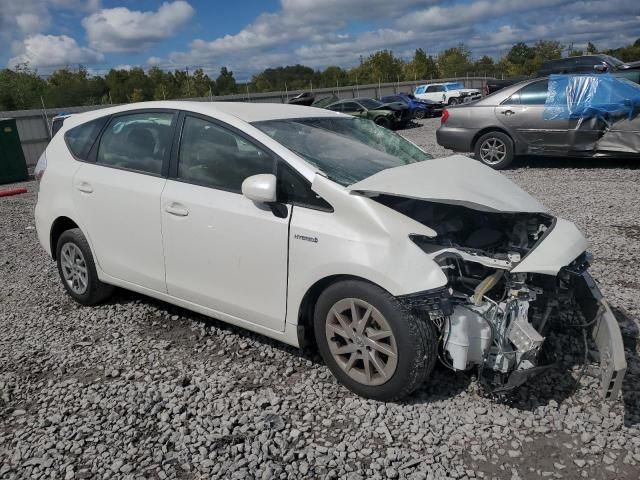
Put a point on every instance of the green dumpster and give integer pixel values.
(13, 167)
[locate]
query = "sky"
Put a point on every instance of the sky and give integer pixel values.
(248, 36)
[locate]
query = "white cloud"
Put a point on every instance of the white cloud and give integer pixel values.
(54, 51)
(123, 30)
(31, 23)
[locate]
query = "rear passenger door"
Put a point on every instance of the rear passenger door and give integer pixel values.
(222, 251)
(117, 195)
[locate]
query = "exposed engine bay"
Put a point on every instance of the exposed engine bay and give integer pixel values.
(489, 317)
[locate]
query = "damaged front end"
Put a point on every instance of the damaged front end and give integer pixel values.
(513, 278)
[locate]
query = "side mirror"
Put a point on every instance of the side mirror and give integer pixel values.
(260, 188)
(600, 68)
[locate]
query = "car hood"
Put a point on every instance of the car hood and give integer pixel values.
(456, 180)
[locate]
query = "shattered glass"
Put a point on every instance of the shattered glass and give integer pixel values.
(347, 150)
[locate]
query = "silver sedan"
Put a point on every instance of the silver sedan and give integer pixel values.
(510, 122)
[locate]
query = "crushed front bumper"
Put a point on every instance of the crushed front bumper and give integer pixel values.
(605, 333)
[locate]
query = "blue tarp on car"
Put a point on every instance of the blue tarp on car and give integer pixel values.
(600, 96)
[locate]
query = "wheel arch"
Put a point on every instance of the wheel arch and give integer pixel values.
(58, 227)
(486, 130)
(306, 336)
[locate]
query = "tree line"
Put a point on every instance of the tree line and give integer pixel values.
(22, 87)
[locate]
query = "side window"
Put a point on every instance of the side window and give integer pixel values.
(420, 90)
(336, 108)
(534, 93)
(293, 188)
(80, 139)
(139, 142)
(432, 89)
(351, 107)
(215, 157)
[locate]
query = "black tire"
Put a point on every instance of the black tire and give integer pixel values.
(454, 101)
(420, 113)
(494, 138)
(95, 291)
(414, 337)
(383, 122)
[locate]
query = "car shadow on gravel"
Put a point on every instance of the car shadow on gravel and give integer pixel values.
(532, 161)
(181, 334)
(631, 383)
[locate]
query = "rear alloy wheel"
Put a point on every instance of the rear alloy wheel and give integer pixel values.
(419, 113)
(372, 345)
(77, 269)
(453, 101)
(494, 149)
(383, 122)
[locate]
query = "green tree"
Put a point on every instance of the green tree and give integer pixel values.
(421, 67)
(333, 76)
(591, 48)
(455, 61)
(225, 83)
(519, 59)
(20, 88)
(68, 88)
(201, 83)
(485, 66)
(380, 66)
(260, 83)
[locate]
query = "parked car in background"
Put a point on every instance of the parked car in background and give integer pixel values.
(306, 225)
(513, 122)
(418, 108)
(304, 98)
(388, 115)
(594, 64)
(449, 93)
(57, 122)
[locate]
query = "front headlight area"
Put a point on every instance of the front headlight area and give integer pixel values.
(497, 321)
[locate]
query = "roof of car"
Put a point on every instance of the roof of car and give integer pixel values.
(248, 112)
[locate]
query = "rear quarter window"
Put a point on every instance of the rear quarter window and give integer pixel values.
(80, 139)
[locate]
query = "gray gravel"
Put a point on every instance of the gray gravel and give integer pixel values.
(140, 389)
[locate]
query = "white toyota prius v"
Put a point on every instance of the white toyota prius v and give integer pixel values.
(314, 227)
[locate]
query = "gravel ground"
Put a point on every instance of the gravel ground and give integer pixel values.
(138, 388)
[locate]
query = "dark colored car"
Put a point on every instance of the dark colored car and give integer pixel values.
(418, 108)
(57, 122)
(304, 98)
(594, 64)
(388, 115)
(591, 64)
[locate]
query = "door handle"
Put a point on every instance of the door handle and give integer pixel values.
(176, 209)
(84, 187)
(508, 112)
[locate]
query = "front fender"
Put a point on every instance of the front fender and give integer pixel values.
(361, 238)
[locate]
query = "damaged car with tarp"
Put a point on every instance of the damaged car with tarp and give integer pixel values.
(582, 115)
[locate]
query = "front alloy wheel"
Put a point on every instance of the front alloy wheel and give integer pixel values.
(361, 341)
(371, 343)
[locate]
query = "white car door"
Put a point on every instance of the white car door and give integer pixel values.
(117, 196)
(222, 251)
(437, 93)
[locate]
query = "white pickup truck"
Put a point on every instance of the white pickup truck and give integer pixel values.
(450, 93)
